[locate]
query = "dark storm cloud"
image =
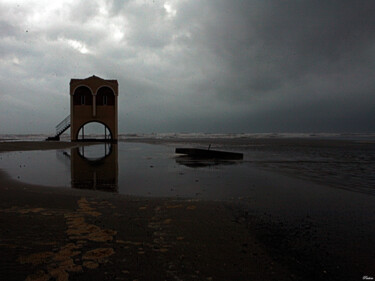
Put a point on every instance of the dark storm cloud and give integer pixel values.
(298, 65)
(182, 65)
(268, 44)
(311, 36)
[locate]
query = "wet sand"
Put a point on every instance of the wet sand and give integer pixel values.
(50, 233)
(65, 234)
(37, 145)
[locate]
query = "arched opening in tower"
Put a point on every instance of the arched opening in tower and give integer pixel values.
(94, 130)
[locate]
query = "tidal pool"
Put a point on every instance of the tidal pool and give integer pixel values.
(127, 168)
(156, 171)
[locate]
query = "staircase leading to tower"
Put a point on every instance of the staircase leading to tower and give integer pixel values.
(61, 128)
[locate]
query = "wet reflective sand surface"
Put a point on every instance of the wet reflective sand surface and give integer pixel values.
(127, 168)
(312, 231)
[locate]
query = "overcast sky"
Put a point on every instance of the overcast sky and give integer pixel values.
(193, 65)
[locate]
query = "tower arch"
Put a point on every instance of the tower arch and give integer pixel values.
(105, 96)
(82, 95)
(81, 131)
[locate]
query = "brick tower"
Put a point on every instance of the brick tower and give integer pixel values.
(93, 99)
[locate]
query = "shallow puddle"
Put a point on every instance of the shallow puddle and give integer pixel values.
(127, 168)
(155, 170)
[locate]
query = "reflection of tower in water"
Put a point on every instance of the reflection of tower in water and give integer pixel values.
(95, 167)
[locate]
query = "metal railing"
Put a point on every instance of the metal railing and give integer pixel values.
(63, 125)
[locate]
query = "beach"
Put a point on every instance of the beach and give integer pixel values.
(46, 234)
(54, 233)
